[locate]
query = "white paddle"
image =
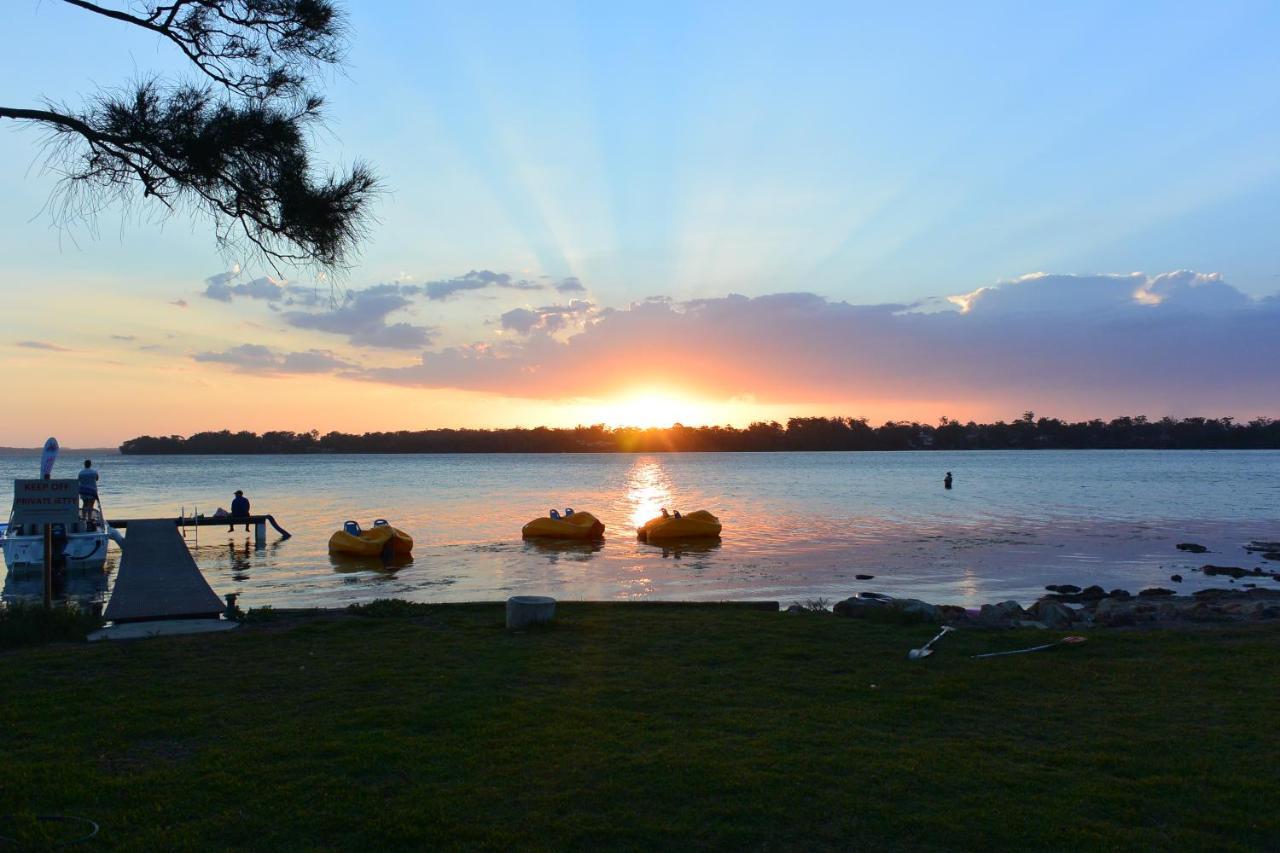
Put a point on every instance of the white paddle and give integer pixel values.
(1069, 641)
(924, 651)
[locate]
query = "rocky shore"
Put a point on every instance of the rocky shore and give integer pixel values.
(1068, 606)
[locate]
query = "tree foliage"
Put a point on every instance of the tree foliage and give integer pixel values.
(798, 434)
(235, 145)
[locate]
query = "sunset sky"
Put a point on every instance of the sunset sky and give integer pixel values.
(711, 213)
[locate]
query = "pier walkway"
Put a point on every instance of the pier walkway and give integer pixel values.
(158, 578)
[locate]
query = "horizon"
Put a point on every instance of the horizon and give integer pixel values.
(715, 215)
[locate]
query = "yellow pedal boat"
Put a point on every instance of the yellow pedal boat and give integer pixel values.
(378, 540)
(580, 525)
(666, 528)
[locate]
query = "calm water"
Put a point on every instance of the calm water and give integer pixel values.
(797, 525)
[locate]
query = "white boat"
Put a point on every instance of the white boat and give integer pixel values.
(79, 537)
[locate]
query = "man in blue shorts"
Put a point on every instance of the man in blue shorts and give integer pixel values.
(88, 489)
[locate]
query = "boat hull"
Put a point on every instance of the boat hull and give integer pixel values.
(83, 552)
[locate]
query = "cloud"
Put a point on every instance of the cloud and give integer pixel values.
(44, 345)
(474, 280)
(123, 338)
(571, 285)
(549, 318)
(1174, 343)
(255, 358)
(181, 303)
(363, 319)
(219, 287)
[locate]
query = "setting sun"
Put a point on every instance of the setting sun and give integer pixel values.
(655, 409)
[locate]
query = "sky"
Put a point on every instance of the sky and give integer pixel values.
(695, 212)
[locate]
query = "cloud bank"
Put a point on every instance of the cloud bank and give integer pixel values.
(1178, 342)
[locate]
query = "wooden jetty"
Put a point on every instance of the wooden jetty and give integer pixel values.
(259, 523)
(158, 578)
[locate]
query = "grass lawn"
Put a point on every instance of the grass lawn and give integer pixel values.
(642, 726)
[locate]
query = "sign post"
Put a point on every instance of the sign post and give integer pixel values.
(44, 503)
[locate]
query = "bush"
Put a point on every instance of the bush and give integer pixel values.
(389, 608)
(32, 625)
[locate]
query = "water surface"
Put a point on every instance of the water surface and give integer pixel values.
(797, 525)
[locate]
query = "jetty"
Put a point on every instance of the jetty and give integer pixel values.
(259, 523)
(158, 578)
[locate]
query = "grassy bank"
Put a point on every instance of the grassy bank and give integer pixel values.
(643, 726)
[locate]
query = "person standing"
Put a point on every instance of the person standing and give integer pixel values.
(88, 489)
(239, 509)
(946, 481)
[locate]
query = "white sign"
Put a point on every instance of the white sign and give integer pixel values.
(45, 501)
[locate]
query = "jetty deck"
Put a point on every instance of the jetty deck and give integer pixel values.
(158, 578)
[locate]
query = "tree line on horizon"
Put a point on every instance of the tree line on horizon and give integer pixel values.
(798, 434)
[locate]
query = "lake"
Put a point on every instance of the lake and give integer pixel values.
(797, 526)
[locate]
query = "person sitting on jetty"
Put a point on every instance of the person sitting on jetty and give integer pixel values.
(239, 509)
(88, 489)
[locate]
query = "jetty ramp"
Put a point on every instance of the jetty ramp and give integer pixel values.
(158, 578)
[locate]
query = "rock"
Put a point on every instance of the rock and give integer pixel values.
(1029, 623)
(795, 608)
(1091, 593)
(1176, 578)
(1000, 615)
(864, 577)
(1271, 555)
(915, 607)
(1259, 545)
(1053, 613)
(1121, 594)
(952, 613)
(857, 608)
(1113, 613)
(1212, 594)
(1229, 571)
(1064, 588)
(1152, 592)
(1192, 547)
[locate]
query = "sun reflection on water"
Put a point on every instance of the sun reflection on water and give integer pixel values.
(648, 490)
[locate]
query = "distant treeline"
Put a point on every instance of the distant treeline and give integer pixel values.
(1026, 433)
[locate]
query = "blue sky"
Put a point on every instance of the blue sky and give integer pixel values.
(870, 153)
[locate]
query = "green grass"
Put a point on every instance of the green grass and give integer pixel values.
(636, 726)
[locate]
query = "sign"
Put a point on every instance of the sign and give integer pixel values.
(45, 501)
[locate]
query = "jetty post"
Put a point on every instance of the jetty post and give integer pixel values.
(48, 565)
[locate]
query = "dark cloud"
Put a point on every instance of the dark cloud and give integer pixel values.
(1176, 343)
(255, 358)
(362, 317)
(549, 318)
(44, 345)
(219, 287)
(474, 280)
(571, 285)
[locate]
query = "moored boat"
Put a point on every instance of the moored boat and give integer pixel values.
(78, 536)
(379, 540)
(699, 524)
(578, 525)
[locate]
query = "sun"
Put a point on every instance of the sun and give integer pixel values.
(654, 409)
